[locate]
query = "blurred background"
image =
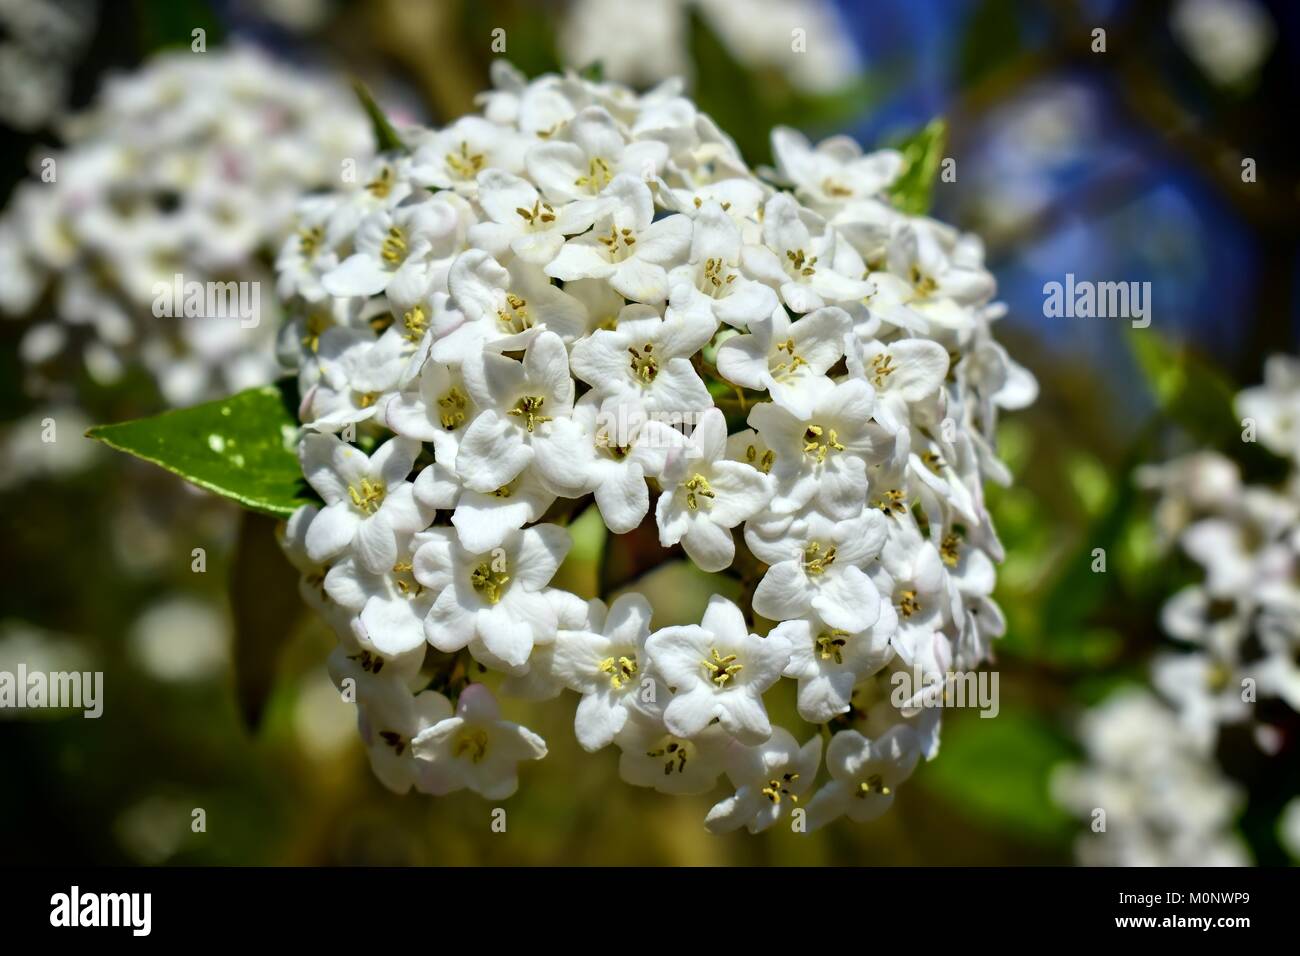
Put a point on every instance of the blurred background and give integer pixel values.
(1124, 164)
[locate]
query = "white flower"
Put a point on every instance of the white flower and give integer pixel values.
(718, 670)
(713, 273)
(769, 778)
(864, 775)
(810, 270)
(609, 451)
(505, 309)
(626, 248)
(822, 457)
(593, 154)
(390, 722)
(1274, 407)
(368, 501)
(522, 222)
(518, 401)
(835, 171)
(821, 569)
(789, 360)
(391, 605)
(475, 749)
(484, 518)
(653, 756)
(906, 374)
(493, 601)
(454, 157)
(828, 662)
(423, 236)
(646, 360)
(705, 495)
(605, 662)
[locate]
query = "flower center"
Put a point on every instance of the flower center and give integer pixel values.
(472, 744)
(394, 740)
(415, 324)
(818, 442)
(778, 788)
(393, 248)
(490, 579)
(716, 282)
(314, 325)
(908, 604)
(367, 495)
(452, 407)
(515, 318)
(381, 185)
(620, 670)
(922, 283)
(644, 364)
(542, 212)
(831, 188)
(800, 263)
(784, 368)
(618, 243)
(529, 408)
(404, 580)
(831, 644)
(697, 486)
(892, 502)
(598, 175)
(764, 462)
(676, 753)
(815, 560)
(882, 368)
(370, 663)
(463, 163)
(721, 669)
(950, 549)
(309, 240)
(873, 784)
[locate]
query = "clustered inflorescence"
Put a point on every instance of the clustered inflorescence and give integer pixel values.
(583, 297)
(190, 167)
(1152, 764)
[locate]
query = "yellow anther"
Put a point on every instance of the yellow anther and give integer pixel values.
(463, 163)
(620, 670)
(819, 442)
(882, 368)
(367, 495)
(415, 324)
(598, 175)
(831, 644)
(472, 744)
(529, 408)
(815, 560)
(309, 240)
(697, 486)
(721, 669)
(873, 784)
(490, 579)
(644, 363)
(778, 788)
(452, 407)
(393, 248)
(950, 549)
(908, 604)
(381, 185)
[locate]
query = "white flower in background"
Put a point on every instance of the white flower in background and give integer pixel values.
(575, 301)
(769, 778)
(475, 749)
(718, 670)
(1228, 39)
(1151, 759)
(190, 166)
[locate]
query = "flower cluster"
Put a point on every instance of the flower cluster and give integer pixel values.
(1241, 628)
(191, 167)
(583, 297)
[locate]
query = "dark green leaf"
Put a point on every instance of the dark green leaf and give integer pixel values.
(1186, 389)
(241, 447)
(922, 154)
(386, 138)
(265, 604)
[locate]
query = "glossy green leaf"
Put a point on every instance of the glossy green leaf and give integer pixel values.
(241, 447)
(922, 152)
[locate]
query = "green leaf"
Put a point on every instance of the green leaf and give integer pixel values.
(241, 447)
(265, 603)
(1186, 388)
(998, 770)
(922, 154)
(386, 138)
(593, 72)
